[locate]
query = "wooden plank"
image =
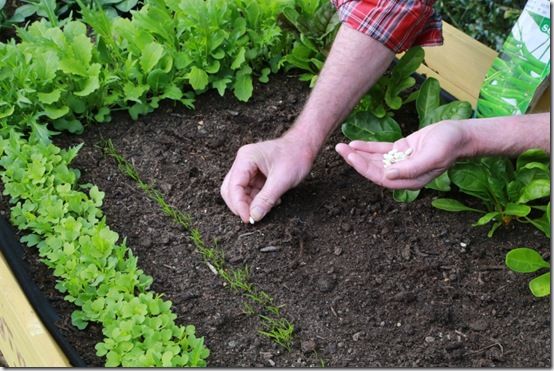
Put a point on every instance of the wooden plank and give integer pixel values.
(544, 103)
(460, 64)
(24, 341)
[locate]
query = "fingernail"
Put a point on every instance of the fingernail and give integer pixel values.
(391, 173)
(256, 213)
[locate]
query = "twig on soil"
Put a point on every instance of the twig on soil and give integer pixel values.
(492, 268)
(485, 348)
(246, 234)
(169, 267)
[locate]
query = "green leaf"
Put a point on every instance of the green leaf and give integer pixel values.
(451, 111)
(49, 98)
(198, 78)
(126, 5)
(213, 67)
(56, 112)
(134, 92)
(151, 55)
(532, 155)
(73, 126)
(540, 286)
(243, 87)
(428, 98)
(6, 110)
(517, 210)
(92, 82)
(525, 260)
(409, 63)
(487, 218)
(539, 188)
(471, 178)
(366, 126)
(440, 183)
(264, 75)
(452, 205)
(157, 79)
(394, 88)
(23, 12)
(221, 85)
(494, 227)
(239, 59)
(405, 195)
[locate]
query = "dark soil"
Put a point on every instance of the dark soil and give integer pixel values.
(367, 282)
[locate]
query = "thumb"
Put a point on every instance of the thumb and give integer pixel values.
(268, 197)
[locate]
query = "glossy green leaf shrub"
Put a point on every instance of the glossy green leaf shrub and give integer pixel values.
(507, 193)
(94, 269)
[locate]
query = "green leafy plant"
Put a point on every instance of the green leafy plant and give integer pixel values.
(506, 193)
(67, 75)
(64, 10)
(365, 125)
(526, 260)
(315, 23)
(95, 272)
(385, 96)
(275, 325)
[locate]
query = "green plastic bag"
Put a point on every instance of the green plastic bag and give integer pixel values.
(520, 73)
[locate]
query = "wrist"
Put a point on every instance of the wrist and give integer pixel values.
(469, 138)
(306, 139)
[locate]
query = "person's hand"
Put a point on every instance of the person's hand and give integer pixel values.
(262, 173)
(434, 149)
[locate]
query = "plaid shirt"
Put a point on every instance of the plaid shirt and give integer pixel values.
(397, 24)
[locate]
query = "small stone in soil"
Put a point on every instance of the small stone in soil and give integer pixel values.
(429, 339)
(478, 325)
(270, 249)
(326, 283)
(308, 346)
(357, 335)
(346, 227)
(454, 345)
(145, 242)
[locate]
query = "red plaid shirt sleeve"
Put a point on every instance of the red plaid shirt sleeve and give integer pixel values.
(397, 24)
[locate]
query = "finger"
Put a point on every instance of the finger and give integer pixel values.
(224, 192)
(371, 147)
(344, 150)
(238, 195)
(274, 187)
(365, 166)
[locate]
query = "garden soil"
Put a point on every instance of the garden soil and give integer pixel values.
(366, 281)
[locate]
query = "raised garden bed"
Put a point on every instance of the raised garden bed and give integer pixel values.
(362, 278)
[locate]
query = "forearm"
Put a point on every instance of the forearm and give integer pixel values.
(508, 136)
(355, 63)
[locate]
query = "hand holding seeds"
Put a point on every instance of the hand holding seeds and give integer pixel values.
(411, 162)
